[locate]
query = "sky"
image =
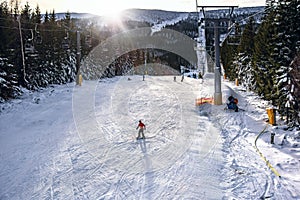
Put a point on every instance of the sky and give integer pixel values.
(108, 7)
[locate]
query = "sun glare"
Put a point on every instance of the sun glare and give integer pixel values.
(110, 10)
(114, 17)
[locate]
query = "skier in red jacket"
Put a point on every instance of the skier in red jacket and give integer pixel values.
(141, 127)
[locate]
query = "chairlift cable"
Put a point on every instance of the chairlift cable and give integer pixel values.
(235, 23)
(28, 29)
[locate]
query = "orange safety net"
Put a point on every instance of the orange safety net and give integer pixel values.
(202, 100)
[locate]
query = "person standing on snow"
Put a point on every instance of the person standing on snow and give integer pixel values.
(141, 126)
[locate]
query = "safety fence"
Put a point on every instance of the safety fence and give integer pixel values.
(203, 100)
(262, 156)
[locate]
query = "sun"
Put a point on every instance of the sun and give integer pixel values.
(107, 8)
(110, 10)
(114, 17)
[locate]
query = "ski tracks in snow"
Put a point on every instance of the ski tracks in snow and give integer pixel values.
(97, 156)
(153, 168)
(246, 175)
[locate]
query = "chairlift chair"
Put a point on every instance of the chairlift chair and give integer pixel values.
(38, 37)
(66, 43)
(233, 40)
(233, 37)
(88, 41)
(29, 47)
(29, 44)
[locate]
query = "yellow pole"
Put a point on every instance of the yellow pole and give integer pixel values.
(80, 80)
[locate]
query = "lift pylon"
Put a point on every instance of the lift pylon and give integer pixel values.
(216, 22)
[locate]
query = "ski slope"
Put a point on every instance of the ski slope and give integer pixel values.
(57, 158)
(166, 107)
(71, 142)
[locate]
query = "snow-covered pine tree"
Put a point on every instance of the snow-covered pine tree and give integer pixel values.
(229, 52)
(37, 16)
(8, 80)
(287, 37)
(8, 71)
(245, 55)
(294, 89)
(46, 17)
(4, 22)
(264, 72)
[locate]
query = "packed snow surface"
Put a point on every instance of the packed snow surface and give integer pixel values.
(71, 142)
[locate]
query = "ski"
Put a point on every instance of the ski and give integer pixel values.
(143, 138)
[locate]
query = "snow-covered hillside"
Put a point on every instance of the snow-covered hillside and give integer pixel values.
(152, 16)
(140, 15)
(68, 142)
(163, 17)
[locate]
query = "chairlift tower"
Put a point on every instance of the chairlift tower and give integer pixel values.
(22, 51)
(201, 47)
(216, 22)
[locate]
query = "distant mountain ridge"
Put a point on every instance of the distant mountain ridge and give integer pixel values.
(157, 16)
(76, 15)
